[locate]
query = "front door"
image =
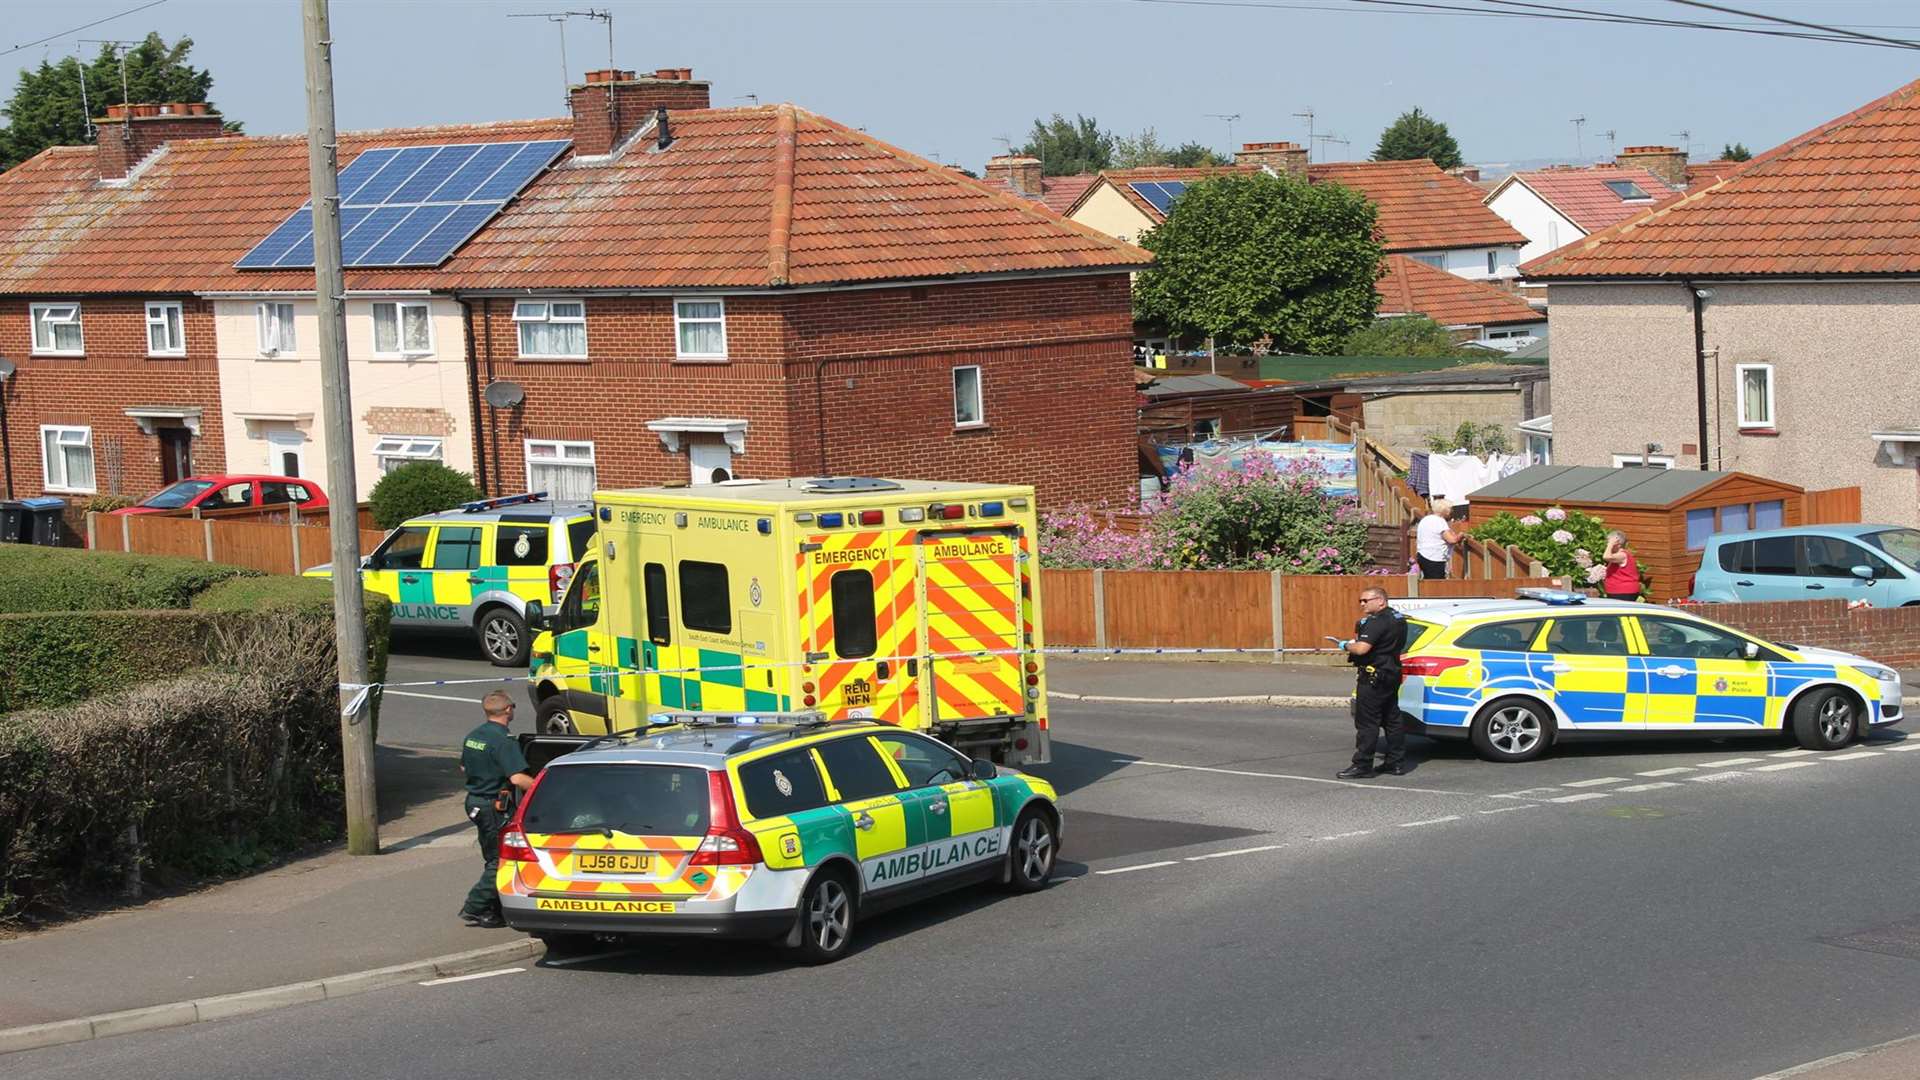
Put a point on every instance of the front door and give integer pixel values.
(852, 585)
(286, 453)
(1699, 675)
(971, 625)
(176, 454)
(1593, 675)
(887, 820)
(582, 653)
(452, 572)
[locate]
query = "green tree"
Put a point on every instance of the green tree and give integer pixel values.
(1242, 256)
(1417, 135)
(1478, 439)
(419, 487)
(1735, 152)
(1190, 155)
(1069, 147)
(1145, 149)
(1403, 335)
(46, 110)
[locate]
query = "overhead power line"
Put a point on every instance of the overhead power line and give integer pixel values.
(84, 26)
(1898, 43)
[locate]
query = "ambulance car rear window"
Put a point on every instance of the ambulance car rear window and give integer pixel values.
(520, 545)
(1513, 636)
(580, 537)
(783, 784)
(660, 800)
(854, 633)
(704, 603)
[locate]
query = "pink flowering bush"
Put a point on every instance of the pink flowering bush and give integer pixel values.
(1567, 542)
(1554, 513)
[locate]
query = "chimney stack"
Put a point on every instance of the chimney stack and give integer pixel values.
(1284, 158)
(612, 104)
(1665, 162)
(1021, 173)
(128, 134)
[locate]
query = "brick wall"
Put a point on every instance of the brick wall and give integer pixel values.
(122, 144)
(1889, 635)
(94, 390)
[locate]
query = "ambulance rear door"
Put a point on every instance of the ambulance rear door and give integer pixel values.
(856, 595)
(970, 623)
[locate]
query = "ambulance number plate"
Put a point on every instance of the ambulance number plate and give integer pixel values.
(611, 862)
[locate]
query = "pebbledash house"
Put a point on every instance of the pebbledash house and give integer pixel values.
(647, 291)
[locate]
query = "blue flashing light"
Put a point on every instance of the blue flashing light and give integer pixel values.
(992, 509)
(606, 513)
(765, 526)
(1551, 596)
(830, 521)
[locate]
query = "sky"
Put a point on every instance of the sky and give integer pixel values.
(949, 79)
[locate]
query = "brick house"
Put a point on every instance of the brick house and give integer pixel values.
(691, 294)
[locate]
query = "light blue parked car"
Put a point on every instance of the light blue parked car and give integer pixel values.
(1876, 563)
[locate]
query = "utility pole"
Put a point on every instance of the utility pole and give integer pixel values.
(349, 605)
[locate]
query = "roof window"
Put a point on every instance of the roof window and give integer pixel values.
(1627, 190)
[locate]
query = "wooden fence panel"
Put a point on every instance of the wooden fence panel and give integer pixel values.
(106, 533)
(1313, 606)
(1066, 597)
(264, 547)
(1190, 609)
(152, 534)
(1832, 506)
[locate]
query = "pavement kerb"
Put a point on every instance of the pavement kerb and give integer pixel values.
(200, 1010)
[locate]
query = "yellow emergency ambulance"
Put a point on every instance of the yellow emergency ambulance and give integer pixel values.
(911, 602)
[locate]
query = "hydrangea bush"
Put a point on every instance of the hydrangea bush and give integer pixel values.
(1262, 516)
(1567, 542)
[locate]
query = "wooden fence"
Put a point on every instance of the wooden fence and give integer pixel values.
(294, 544)
(1832, 506)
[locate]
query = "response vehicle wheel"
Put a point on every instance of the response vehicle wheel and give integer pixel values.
(1035, 843)
(1826, 719)
(1512, 729)
(826, 920)
(553, 717)
(503, 637)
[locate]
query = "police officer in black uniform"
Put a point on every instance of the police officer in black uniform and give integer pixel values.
(1374, 650)
(496, 773)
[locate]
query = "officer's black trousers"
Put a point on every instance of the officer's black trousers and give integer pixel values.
(482, 898)
(1377, 706)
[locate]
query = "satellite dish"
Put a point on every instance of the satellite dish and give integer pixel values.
(504, 394)
(6, 369)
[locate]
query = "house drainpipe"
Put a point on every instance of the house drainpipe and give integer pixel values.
(1699, 298)
(493, 433)
(6, 437)
(473, 393)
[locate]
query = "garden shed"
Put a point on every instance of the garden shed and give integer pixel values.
(1667, 514)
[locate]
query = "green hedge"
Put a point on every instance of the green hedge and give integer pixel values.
(57, 658)
(69, 579)
(307, 596)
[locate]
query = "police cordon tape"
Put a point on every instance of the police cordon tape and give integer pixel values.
(361, 690)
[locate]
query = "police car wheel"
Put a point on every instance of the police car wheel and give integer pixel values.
(1512, 729)
(503, 637)
(1826, 719)
(553, 717)
(1035, 843)
(826, 920)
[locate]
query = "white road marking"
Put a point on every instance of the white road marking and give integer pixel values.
(1345, 835)
(1530, 793)
(1582, 797)
(1504, 809)
(1596, 781)
(470, 978)
(1802, 752)
(1236, 851)
(1675, 771)
(1711, 777)
(436, 697)
(1910, 744)
(1429, 821)
(1142, 866)
(1856, 756)
(1655, 786)
(1290, 776)
(564, 961)
(1778, 765)
(1724, 762)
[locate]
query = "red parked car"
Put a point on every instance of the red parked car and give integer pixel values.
(227, 492)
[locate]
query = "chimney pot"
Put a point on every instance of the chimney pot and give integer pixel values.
(612, 104)
(1666, 162)
(1284, 158)
(130, 133)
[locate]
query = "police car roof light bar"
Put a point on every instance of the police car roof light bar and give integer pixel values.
(480, 505)
(1551, 596)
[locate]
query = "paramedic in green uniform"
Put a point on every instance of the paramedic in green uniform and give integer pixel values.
(493, 763)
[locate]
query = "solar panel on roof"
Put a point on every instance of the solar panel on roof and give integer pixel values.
(1160, 193)
(411, 205)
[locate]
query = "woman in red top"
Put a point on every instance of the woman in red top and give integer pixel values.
(1623, 570)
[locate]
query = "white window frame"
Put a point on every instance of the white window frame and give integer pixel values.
(678, 321)
(264, 310)
(1435, 259)
(401, 449)
(979, 397)
(400, 327)
(1740, 396)
(1653, 461)
(558, 457)
(61, 431)
(541, 311)
(179, 323)
(38, 314)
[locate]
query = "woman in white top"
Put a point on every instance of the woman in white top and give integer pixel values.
(1434, 539)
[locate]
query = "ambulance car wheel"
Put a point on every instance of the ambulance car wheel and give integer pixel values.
(826, 919)
(1036, 842)
(1512, 729)
(553, 717)
(503, 637)
(560, 943)
(1826, 719)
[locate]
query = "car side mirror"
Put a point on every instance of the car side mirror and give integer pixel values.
(366, 562)
(984, 769)
(1750, 651)
(537, 617)
(1863, 572)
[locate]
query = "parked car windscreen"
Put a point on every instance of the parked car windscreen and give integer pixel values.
(177, 495)
(1902, 544)
(656, 800)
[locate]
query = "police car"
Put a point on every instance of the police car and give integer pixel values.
(782, 827)
(1514, 676)
(480, 569)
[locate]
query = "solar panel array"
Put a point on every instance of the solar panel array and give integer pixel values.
(1161, 194)
(411, 205)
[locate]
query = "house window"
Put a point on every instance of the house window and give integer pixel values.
(1638, 461)
(564, 470)
(1627, 190)
(165, 335)
(1540, 449)
(1493, 265)
(393, 451)
(1756, 394)
(552, 328)
(402, 329)
(700, 327)
(966, 397)
(56, 329)
(1436, 260)
(67, 459)
(276, 327)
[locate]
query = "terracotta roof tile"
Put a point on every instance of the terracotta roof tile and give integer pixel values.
(1711, 172)
(1408, 286)
(743, 197)
(1421, 207)
(1122, 179)
(1583, 197)
(1843, 198)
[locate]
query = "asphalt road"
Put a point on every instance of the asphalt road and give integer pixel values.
(1718, 910)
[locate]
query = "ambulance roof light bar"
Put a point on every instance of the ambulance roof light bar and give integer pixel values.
(1557, 597)
(480, 505)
